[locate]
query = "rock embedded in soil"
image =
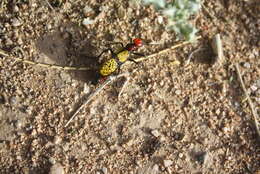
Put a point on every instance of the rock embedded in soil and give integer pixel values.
(167, 163)
(16, 22)
(155, 133)
(247, 65)
(57, 169)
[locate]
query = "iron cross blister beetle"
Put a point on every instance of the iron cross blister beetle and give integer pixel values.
(118, 59)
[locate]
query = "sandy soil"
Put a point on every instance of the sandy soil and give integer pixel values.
(169, 119)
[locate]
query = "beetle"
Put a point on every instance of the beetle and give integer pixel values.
(119, 58)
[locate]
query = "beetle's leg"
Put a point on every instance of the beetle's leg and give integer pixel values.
(137, 63)
(139, 54)
(118, 70)
(132, 60)
(106, 50)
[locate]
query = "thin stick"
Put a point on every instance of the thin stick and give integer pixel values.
(46, 65)
(192, 53)
(88, 68)
(49, 5)
(164, 51)
(90, 97)
(124, 85)
(248, 99)
(3, 53)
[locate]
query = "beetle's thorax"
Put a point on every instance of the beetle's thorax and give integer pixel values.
(130, 47)
(123, 55)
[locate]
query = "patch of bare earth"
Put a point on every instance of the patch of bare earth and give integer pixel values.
(169, 119)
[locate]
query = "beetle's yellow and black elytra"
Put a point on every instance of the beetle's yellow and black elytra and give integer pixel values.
(112, 65)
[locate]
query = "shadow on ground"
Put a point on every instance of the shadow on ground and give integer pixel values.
(67, 48)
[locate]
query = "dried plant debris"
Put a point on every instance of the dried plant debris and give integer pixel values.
(217, 47)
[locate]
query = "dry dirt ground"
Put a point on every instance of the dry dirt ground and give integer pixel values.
(169, 119)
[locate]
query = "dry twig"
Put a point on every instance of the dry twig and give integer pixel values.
(192, 54)
(93, 94)
(71, 68)
(47, 1)
(164, 51)
(248, 99)
(46, 65)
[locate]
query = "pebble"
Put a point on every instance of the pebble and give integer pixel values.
(162, 83)
(160, 19)
(150, 107)
(15, 8)
(247, 65)
(86, 89)
(57, 169)
(87, 21)
(52, 160)
(19, 157)
(121, 12)
(156, 168)
(253, 88)
(57, 140)
(167, 163)
(18, 124)
(13, 100)
(8, 42)
(16, 22)
(87, 11)
(104, 170)
(258, 83)
(155, 133)
(178, 92)
(180, 155)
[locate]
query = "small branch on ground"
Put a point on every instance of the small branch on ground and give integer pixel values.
(165, 50)
(47, 1)
(93, 94)
(249, 100)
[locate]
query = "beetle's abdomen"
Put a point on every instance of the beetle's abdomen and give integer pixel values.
(108, 67)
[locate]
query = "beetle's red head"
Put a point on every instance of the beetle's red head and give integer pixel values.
(138, 42)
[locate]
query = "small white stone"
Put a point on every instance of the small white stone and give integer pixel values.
(104, 170)
(18, 124)
(19, 157)
(87, 10)
(16, 22)
(180, 155)
(167, 163)
(218, 111)
(52, 160)
(57, 140)
(247, 65)
(162, 83)
(160, 19)
(57, 169)
(156, 168)
(16, 8)
(155, 133)
(86, 89)
(253, 88)
(150, 107)
(178, 92)
(257, 83)
(87, 21)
